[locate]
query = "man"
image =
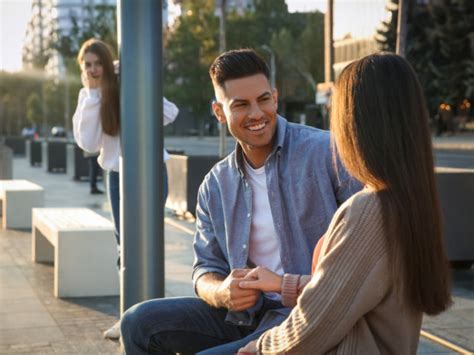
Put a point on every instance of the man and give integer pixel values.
(265, 204)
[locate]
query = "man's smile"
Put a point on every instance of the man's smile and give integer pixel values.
(257, 126)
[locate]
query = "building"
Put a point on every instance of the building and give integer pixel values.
(50, 16)
(350, 49)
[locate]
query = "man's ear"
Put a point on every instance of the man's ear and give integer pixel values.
(219, 112)
(275, 96)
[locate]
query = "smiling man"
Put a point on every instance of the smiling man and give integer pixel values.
(266, 204)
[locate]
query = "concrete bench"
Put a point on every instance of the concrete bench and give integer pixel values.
(18, 198)
(82, 245)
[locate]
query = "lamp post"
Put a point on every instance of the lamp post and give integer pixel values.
(402, 28)
(272, 65)
(222, 48)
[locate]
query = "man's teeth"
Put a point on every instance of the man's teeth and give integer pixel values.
(257, 127)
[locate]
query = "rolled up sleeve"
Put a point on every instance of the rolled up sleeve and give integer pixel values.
(209, 256)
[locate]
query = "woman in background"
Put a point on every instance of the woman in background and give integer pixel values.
(97, 124)
(381, 263)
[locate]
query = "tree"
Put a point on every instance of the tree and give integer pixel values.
(189, 52)
(192, 45)
(101, 22)
(15, 88)
(452, 35)
(33, 109)
(440, 47)
(386, 35)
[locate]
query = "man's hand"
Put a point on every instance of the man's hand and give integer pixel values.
(250, 348)
(231, 296)
(262, 279)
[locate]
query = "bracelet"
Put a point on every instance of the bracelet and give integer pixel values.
(289, 289)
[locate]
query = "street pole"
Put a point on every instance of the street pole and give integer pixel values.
(44, 77)
(272, 65)
(328, 55)
(67, 104)
(328, 43)
(141, 174)
(402, 27)
(222, 48)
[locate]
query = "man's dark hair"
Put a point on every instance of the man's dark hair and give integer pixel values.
(236, 64)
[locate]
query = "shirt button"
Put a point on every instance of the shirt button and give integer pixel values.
(241, 322)
(248, 215)
(244, 246)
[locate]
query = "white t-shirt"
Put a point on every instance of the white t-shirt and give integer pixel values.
(264, 247)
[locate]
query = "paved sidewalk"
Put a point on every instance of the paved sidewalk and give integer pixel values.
(33, 321)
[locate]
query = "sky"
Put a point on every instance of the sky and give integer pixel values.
(359, 17)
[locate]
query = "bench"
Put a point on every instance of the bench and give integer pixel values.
(18, 198)
(82, 245)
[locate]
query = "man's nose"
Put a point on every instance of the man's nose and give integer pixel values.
(255, 111)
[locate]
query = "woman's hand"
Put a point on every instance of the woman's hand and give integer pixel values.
(88, 81)
(250, 348)
(262, 279)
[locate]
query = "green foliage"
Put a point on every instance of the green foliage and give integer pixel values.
(101, 22)
(54, 101)
(193, 43)
(189, 52)
(33, 108)
(386, 35)
(453, 32)
(15, 89)
(440, 47)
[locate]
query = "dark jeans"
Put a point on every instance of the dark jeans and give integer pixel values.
(94, 170)
(187, 325)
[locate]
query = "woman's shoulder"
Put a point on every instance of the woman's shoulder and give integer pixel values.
(359, 216)
(365, 202)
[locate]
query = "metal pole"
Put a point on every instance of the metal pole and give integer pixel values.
(142, 232)
(328, 43)
(67, 108)
(402, 27)
(272, 65)
(222, 48)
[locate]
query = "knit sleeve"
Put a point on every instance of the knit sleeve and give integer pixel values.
(341, 291)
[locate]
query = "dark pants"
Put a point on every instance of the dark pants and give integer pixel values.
(94, 170)
(188, 325)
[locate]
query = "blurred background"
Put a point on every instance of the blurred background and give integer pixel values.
(39, 40)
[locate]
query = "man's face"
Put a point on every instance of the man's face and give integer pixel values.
(249, 106)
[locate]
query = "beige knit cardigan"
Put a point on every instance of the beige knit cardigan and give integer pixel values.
(349, 306)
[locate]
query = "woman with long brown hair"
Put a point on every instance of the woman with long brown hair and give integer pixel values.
(97, 124)
(381, 263)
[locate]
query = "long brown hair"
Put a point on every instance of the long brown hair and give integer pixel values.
(109, 107)
(380, 126)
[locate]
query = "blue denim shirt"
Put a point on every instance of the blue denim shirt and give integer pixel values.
(304, 190)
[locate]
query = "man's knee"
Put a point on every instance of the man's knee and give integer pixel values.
(132, 327)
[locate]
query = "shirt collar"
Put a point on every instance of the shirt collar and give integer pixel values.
(278, 144)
